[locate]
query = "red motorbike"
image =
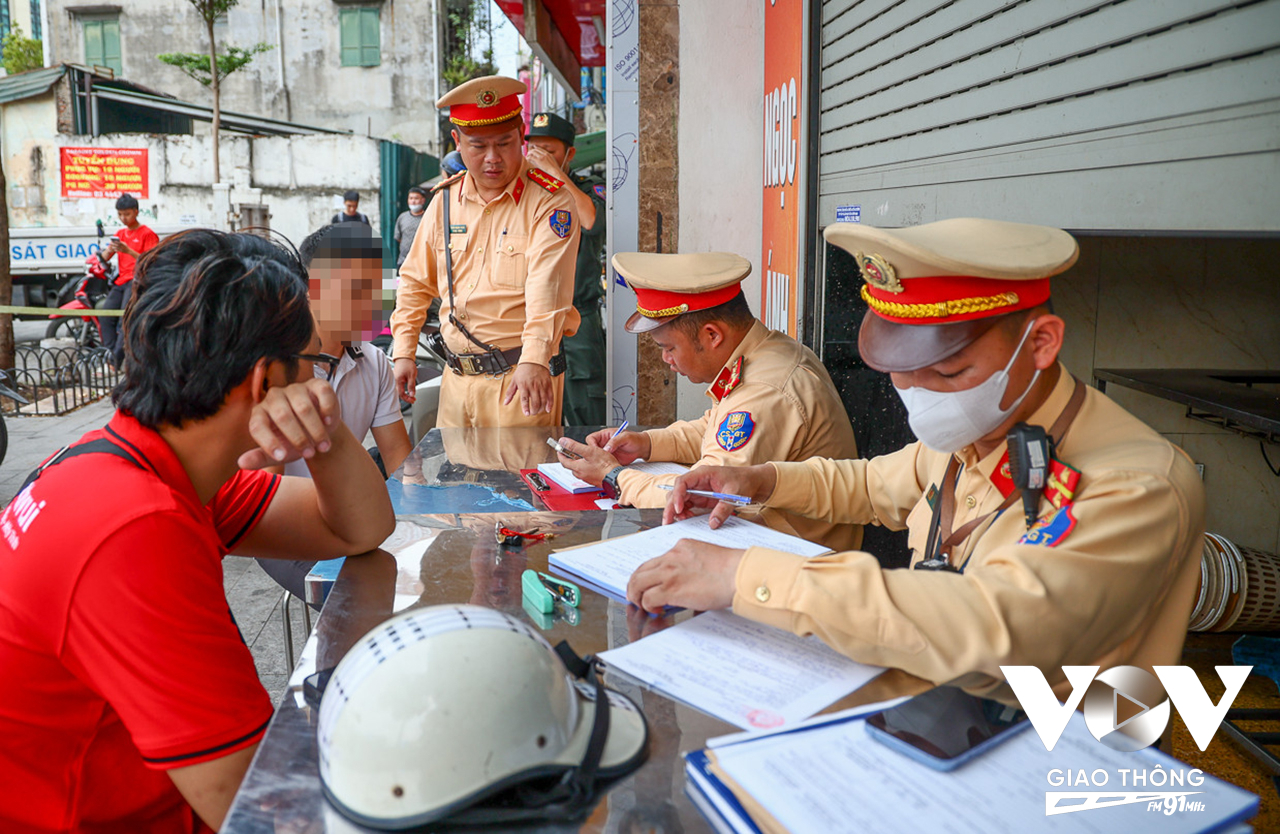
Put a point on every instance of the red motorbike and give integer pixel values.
(87, 293)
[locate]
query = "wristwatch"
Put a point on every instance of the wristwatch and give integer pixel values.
(610, 483)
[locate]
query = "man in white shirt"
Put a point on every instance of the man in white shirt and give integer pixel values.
(344, 266)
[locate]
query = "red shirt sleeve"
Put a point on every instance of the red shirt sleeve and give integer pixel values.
(149, 240)
(240, 504)
(149, 630)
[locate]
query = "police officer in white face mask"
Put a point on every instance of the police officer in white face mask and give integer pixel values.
(1048, 526)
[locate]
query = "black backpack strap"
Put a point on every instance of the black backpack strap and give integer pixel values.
(101, 446)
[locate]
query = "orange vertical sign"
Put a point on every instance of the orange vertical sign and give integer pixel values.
(784, 23)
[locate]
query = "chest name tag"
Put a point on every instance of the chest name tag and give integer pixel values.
(457, 228)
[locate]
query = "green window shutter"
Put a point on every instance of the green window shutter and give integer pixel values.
(102, 44)
(370, 38)
(111, 46)
(93, 43)
(349, 36)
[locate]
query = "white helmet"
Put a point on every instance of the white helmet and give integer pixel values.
(442, 707)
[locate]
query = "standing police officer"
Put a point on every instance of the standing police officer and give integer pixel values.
(1092, 562)
(497, 247)
(551, 149)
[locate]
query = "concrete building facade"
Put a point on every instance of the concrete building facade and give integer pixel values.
(366, 67)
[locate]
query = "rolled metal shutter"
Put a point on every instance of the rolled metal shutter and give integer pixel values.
(1125, 115)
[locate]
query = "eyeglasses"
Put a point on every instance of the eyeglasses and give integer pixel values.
(320, 359)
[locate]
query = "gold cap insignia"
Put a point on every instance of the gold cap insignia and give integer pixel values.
(540, 120)
(487, 98)
(878, 272)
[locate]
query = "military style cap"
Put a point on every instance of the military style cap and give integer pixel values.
(935, 288)
(483, 101)
(549, 124)
(668, 286)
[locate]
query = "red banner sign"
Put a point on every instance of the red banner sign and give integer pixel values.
(104, 172)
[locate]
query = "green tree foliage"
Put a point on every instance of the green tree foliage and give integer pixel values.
(468, 22)
(21, 53)
(197, 65)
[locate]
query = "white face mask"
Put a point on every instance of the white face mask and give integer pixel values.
(417, 208)
(947, 421)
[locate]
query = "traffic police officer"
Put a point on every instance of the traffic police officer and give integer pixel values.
(1098, 568)
(550, 140)
(497, 246)
(771, 397)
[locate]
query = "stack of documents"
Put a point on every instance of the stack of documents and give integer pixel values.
(745, 673)
(608, 565)
(833, 777)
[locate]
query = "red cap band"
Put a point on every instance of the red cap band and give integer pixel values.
(485, 112)
(658, 304)
(942, 299)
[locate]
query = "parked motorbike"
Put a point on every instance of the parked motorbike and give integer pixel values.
(7, 389)
(87, 293)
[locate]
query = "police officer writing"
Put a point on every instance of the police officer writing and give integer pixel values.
(551, 148)
(771, 398)
(1102, 570)
(497, 245)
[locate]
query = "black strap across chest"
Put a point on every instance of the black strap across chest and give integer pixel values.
(101, 446)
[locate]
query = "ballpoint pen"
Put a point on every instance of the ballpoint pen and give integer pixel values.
(722, 496)
(621, 428)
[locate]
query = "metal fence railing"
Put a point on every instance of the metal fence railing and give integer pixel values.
(57, 380)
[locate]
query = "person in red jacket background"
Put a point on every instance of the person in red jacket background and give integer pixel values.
(129, 243)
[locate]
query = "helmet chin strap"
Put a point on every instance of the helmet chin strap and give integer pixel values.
(576, 791)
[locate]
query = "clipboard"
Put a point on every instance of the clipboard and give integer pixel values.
(560, 499)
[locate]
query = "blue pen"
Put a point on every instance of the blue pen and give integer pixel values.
(721, 496)
(621, 428)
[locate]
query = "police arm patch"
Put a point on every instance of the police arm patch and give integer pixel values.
(1052, 529)
(599, 190)
(735, 430)
(561, 222)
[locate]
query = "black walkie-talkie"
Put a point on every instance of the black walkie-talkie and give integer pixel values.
(1030, 450)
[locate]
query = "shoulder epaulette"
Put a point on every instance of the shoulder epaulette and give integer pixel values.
(545, 180)
(445, 183)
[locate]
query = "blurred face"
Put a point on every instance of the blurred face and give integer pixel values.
(492, 156)
(686, 356)
(350, 207)
(417, 203)
(342, 295)
(557, 149)
(128, 217)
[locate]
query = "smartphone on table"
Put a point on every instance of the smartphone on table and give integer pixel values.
(946, 727)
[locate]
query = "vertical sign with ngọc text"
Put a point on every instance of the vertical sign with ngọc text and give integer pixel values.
(784, 77)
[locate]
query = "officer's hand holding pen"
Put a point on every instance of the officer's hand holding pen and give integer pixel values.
(753, 482)
(626, 446)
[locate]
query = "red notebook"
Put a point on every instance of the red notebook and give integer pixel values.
(560, 499)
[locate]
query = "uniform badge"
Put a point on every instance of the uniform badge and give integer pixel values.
(878, 272)
(735, 430)
(1052, 529)
(457, 228)
(728, 379)
(561, 222)
(599, 190)
(487, 98)
(931, 497)
(545, 180)
(540, 120)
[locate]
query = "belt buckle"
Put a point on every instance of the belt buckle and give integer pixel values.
(471, 365)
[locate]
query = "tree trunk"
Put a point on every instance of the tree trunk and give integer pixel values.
(217, 97)
(6, 278)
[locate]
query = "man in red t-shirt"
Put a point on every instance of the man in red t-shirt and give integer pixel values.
(129, 700)
(129, 243)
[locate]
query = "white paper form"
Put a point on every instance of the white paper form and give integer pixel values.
(565, 478)
(746, 673)
(609, 564)
(658, 467)
(839, 779)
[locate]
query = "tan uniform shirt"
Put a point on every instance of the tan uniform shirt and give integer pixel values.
(513, 264)
(1111, 581)
(781, 406)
